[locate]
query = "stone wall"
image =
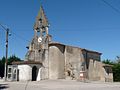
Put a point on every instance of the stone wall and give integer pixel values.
(73, 62)
(66, 62)
(95, 70)
(107, 74)
(45, 68)
(56, 62)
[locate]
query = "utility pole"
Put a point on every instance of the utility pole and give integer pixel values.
(6, 55)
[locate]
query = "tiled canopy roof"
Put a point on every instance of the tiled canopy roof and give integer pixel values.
(26, 62)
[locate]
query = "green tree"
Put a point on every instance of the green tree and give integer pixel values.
(108, 61)
(115, 68)
(116, 72)
(10, 60)
(2, 64)
(118, 59)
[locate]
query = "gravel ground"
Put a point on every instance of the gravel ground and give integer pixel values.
(58, 85)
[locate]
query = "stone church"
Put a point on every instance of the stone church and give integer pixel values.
(47, 59)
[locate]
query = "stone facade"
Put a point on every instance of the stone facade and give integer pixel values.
(66, 62)
(46, 59)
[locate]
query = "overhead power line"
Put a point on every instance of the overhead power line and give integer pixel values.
(20, 37)
(17, 36)
(110, 5)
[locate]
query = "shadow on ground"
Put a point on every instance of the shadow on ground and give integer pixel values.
(3, 86)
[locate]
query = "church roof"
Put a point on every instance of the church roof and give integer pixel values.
(83, 49)
(91, 51)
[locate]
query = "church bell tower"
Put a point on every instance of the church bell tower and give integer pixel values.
(41, 39)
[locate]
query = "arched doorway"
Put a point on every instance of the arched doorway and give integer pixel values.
(34, 73)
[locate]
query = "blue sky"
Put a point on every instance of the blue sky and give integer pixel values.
(89, 24)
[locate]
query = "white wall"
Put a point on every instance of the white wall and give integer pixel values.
(25, 72)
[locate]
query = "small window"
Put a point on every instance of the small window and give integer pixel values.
(108, 71)
(14, 76)
(9, 70)
(9, 75)
(14, 71)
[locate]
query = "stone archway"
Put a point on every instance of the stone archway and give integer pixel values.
(34, 73)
